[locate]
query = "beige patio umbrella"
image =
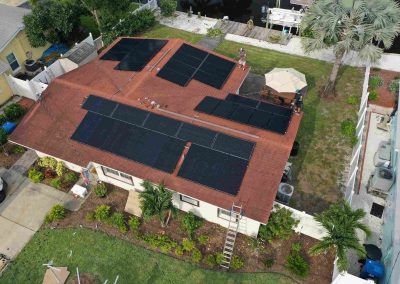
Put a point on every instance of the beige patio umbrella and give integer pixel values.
(284, 82)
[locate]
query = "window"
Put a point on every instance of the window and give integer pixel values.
(226, 214)
(190, 200)
(117, 175)
(12, 60)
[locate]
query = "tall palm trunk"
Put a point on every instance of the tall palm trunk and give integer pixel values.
(168, 217)
(96, 17)
(330, 86)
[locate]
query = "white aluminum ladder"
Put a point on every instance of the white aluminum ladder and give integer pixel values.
(234, 219)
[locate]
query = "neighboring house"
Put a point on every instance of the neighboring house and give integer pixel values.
(14, 46)
(153, 110)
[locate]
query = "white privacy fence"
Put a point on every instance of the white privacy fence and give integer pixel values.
(355, 157)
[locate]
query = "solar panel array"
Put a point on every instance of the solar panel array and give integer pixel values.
(133, 53)
(192, 63)
(158, 141)
(248, 111)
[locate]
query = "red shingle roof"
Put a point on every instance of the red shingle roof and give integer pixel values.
(51, 122)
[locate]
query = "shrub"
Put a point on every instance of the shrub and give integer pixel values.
(3, 137)
(190, 223)
(179, 251)
(280, 225)
(373, 95)
(3, 119)
(163, 242)
(394, 86)
(89, 24)
(49, 173)
(375, 82)
(219, 257)
(188, 245)
(90, 216)
(100, 190)
(71, 177)
(56, 182)
(196, 255)
(203, 239)
(296, 264)
(269, 262)
(348, 129)
(14, 111)
(118, 221)
(60, 168)
(211, 32)
(134, 223)
(352, 100)
(35, 175)
(48, 162)
(102, 212)
(210, 260)
(18, 149)
(307, 33)
(237, 262)
(296, 247)
(168, 7)
(56, 213)
(274, 38)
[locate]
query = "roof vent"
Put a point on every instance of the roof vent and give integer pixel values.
(285, 192)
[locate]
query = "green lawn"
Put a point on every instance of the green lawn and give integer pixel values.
(161, 31)
(324, 151)
(106, 257)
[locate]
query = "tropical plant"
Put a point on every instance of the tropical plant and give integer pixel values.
(3, 119)
(280, 225)
(214, 32)
(341, 223)
(196, 256)
(48, 162)
(57, 212)
(118, 220)
(56, 183)
(100, 190)
(60, 168)
(210, 260)
(352, 100)
(296, 263)
(394, 86)
(14, 111)
(70, 177)
(375, 82)
(35, 175)
(102, 212)
(191, 223)
(156, 200)
(134, 223)
(3, 137)
(348, 129)
(168, 7)
(179, 251)
(203, 239)
(373, 95)
(219, 258)
(237, 262)
(18, 149)
(163, 242)
(363, 26)
(188, 245)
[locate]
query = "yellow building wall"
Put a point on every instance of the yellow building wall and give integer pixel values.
(19, 46)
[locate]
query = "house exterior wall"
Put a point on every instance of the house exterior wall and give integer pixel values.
(69, 165)
(5, 90)
(19, 46)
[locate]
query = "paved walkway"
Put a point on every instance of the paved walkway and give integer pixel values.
(25, 162)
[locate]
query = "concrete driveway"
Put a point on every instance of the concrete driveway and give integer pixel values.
(23, 211)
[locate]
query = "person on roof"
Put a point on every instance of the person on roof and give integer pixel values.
(242, 58)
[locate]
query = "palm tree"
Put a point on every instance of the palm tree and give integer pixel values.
(364, 26)
(156, 200)
(341, 222)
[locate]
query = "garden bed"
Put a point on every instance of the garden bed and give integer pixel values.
(386, 98)
(13, 151)
(254, 256)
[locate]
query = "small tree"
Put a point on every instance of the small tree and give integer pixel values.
(156, 201)
(3, 137)
(341, 223)
(168, 7)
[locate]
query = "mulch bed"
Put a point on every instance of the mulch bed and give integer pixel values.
(8, 160)
(320, 266)
(386, 98)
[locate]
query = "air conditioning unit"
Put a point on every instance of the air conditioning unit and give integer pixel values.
(381, 180)
(285, 192)
(383, 155)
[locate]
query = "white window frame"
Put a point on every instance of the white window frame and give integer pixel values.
(114, 174)
(16, 60)
(189, 200)
(225, 214)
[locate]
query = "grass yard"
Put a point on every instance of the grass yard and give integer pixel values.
(324, 152)
(161, 31)
(103, 257)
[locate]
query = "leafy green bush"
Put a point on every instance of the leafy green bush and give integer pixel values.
(296, 247)
(102, 212)
(296, 264)
(14, 111)
(163, 242)
(373, 95)
(352, 100)
(35, 175)
(48, 162)
(269, 262)
(60, 168)
(56, 183)
(348, 129)
(89, 24)
(134, 223)
(237, 262)
(18, 149)
(188, 245)
(71, 177)
(210, 260)
(168, 7)
(100, 190)
(118, 220)
(191, 223)
(375, 82)
(394, 86)
(3, 119)
(307, 33)
(90, 216)
(203, 239)
(3, 137)
(280, 225)
(212, 32)
(179, 251)
(56, 213)
(196, 255)
(219, 258)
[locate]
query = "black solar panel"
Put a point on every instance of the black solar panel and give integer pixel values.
(265, 115)
(192, 51)
(234, 146)
(120, 49)
(214, 71)
(99, 105)
(174, 77)
(129, 114)
(213, 169)
(162, 124)
(197, 135)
